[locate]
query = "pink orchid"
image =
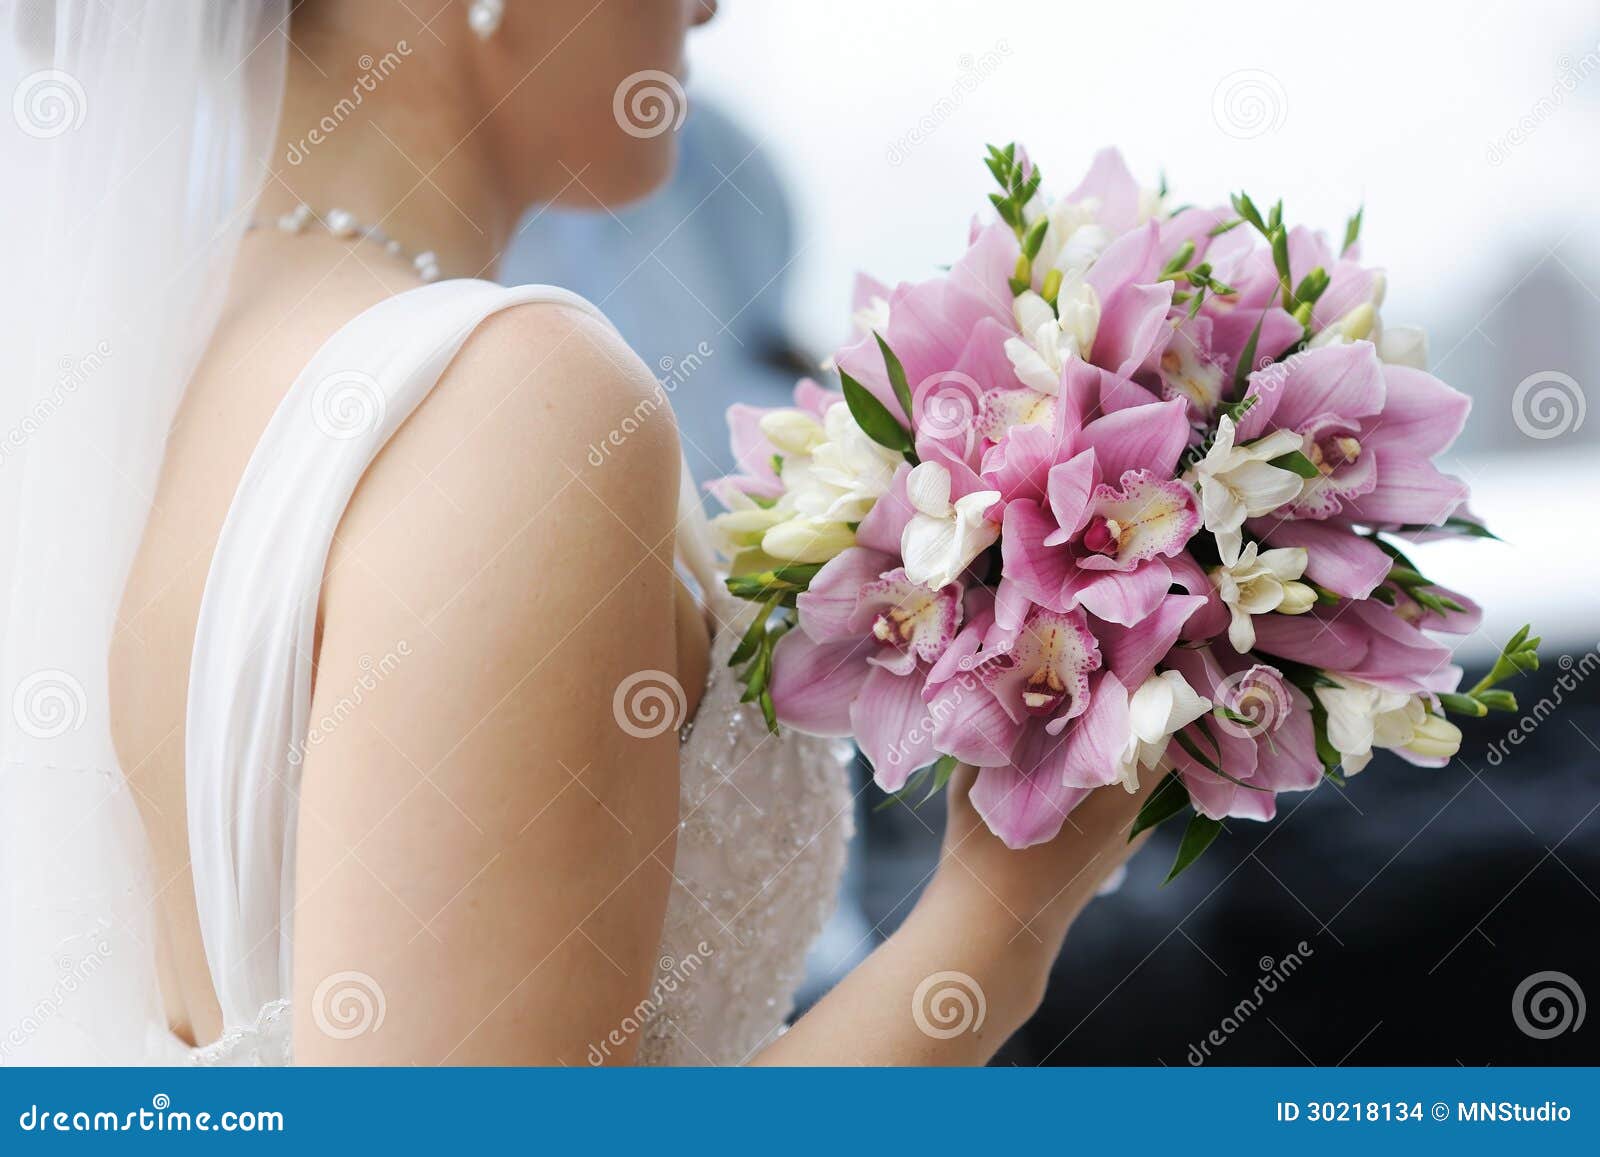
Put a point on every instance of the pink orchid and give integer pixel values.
(1112, 514)
(1264, 741)
(858, 663)
(1367, 640)
(1372, 431)
(1042, 711)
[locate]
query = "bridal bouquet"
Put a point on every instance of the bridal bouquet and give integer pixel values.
(1122, 494)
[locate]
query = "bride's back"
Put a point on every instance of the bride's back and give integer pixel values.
(471, 571)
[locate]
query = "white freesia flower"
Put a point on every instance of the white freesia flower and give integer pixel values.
(1362, 716)
(1073, 239)
(943, 538)
(1398, 345)
(1048, 341)
(1357, 325)
(843, 475)
(1260, 583)
(873, 317)
(792, 431)
(1239, 482)
(1163, 705)
(807, 539)
(832, 474)
(1404, 345)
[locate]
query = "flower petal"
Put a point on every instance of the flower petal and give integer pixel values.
(827, 607)
(892, 727)
(1337, 558)
(814, 684)
(1026, 808)
(1146, 437)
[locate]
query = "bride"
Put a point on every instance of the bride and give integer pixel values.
(356, 715)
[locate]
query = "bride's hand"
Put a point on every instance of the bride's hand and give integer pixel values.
(1038, 890)
(987, 928)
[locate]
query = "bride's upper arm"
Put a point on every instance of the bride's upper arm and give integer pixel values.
(481, 838)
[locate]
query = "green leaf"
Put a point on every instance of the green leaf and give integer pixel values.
(1197, 837)
(1326, 752)
(1033, 239)
(751, 640)
(1225, 227)
(1452, 525)
(943, 768)
(935, 775)
(1246, 208)
(1247, 358)
(1179, 260)
(1311, 287)
(1352, 231)
(1170, 798)
(1280, 261)
(1211, 765)
(897, 376)
(1297, 462)
(874, 418)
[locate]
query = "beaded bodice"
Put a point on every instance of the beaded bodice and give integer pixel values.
(763, 825)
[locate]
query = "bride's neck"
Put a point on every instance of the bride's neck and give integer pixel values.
(387, 140)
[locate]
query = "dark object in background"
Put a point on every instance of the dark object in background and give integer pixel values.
(1424, 897)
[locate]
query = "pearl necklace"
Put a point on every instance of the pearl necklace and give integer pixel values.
(343, 225)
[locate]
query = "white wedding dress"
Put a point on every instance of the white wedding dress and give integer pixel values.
(764, 820)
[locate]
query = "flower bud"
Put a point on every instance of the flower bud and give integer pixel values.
(1357, 324)
(1435, 737)
(807, 540)
(1298, 598)
(792, 431)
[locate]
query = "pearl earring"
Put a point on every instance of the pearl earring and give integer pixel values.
(484, 17)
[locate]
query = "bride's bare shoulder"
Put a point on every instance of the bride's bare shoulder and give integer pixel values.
(546, 425)
(491, 586)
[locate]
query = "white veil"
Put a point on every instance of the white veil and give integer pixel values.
(129, 165)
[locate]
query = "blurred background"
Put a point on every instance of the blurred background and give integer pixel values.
(1409, 917)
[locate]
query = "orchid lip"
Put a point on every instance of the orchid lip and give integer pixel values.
(1044, 693)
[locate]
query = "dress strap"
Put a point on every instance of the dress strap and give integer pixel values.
(250, 676)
